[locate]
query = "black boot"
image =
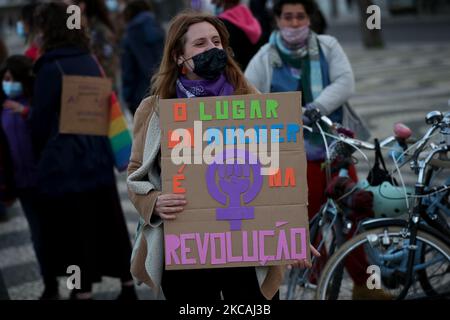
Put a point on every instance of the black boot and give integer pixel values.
(50, 293)
(128, 293)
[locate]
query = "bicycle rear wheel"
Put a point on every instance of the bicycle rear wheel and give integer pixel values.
(298, 284)
(386, 250)
(301, 284)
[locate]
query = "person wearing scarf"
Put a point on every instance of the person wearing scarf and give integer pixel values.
(297, 59)
(195, 64)
(203, 88)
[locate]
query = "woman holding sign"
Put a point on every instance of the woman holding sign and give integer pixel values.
(195, 63)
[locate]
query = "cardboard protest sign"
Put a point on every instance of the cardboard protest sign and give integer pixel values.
(241, 163)
(85, 105)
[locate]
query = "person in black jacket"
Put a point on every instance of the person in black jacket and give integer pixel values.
(142, 48)
(3, 149)
(84, 223)
(245, 31)
(7, 192)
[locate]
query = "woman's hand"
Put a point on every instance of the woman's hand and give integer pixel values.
(304, 263)
(169, 205)
(14, 106)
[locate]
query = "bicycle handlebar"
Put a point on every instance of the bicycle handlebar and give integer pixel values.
(356, 142)
(442, 122)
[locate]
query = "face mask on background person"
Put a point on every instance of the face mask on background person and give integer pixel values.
(12, 89)
(295, 36)
(210, 64)
(112, 5)
(20, 29)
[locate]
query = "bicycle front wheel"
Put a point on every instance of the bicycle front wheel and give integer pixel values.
(383, 271)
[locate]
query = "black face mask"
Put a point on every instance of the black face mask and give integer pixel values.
(210, 64)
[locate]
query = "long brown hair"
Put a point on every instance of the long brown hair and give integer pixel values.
(164, 81)
(51, 20)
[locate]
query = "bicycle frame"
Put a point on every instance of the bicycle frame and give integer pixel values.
(418, 212)
(419, 208)
(407, 257)
(434, 203)
(330, 212)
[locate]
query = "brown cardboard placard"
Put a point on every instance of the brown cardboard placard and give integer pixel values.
(236, 215)
(85, 105)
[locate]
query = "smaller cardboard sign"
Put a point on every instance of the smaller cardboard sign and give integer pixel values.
(85, 105)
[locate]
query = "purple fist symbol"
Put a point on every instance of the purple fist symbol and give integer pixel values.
(235, 181)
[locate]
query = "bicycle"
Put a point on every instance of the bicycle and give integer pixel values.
(331, 226)
(411, 257)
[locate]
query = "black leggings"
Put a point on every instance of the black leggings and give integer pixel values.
(212, 284)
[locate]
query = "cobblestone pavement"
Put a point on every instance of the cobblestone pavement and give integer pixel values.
(399, 83)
